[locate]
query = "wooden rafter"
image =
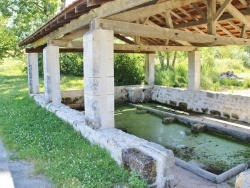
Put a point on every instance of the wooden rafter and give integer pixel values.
(106, 9)
(184, 43)
(150, 10)
(221, 9)
(236, 14)
(198, 9)
(225, 30)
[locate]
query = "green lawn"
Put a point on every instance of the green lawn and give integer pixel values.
(56, 150)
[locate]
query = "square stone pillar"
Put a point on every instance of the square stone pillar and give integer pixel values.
(99, 78)
(194, 70)
(150, 69)
(33, 74)
(51, 66)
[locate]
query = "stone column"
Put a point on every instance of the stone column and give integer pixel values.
(194, 70)
(33, 74)
(51, 66)
(150, 69)
(99, 78)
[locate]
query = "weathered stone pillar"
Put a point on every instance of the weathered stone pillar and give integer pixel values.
(99, 78)
(194, 69)
(51, 66)
(150, 69)
(33, 74)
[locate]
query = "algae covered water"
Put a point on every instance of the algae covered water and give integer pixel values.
(216, 152)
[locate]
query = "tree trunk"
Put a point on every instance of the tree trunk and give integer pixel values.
(161, 59)
(174, 59)
(168, 58)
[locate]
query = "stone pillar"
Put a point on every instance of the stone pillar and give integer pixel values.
(33, 74)
(150, 69)
(51, 66)
(194, 70)
(99, 78)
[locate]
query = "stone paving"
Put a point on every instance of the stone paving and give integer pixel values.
(186, 179)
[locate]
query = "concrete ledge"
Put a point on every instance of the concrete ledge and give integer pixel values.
(208, 175)
(222, 128)
(116, 142)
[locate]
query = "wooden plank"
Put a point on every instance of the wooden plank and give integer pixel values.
(133, 15)
(221, 9)
(211, 10)
(106, 9)
(133, 29)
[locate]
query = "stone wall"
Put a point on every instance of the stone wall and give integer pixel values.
(224, 105)
(133, 93)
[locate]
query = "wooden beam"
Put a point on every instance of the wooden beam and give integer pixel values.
(169, 22)
(153, 48)
(187, 14)
(124, 39)
(106, 9)
(225, 30)
(221, 9)
(202, 22)
(243, 31)
(244, 2)
(177, 16)
(184, 43)
(211, 11)
(236, 14)
(198, 9)
(164, 33)
(75, 34)
(95, 2)
(133, 15)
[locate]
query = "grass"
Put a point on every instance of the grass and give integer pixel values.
(56, 150)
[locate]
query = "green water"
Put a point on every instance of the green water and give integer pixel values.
(215, 151)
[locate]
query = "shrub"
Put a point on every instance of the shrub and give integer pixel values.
(128, 69)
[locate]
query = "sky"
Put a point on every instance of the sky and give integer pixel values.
(68, 2)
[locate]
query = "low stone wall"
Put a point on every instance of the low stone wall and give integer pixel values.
(224, 105)
(150, 160)
(133, 93)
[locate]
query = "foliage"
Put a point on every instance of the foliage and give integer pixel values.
(135, 181)
(71, 64)
(23, 17)
(35, 134)
(172, 76)
(8, 40)
(215, 61)
(128, 69)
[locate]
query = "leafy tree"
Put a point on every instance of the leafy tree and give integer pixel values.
(129, 69)
(21, 18)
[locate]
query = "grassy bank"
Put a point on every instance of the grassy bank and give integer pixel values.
(55, 149)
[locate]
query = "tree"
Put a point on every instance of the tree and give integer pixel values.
(21, 18)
